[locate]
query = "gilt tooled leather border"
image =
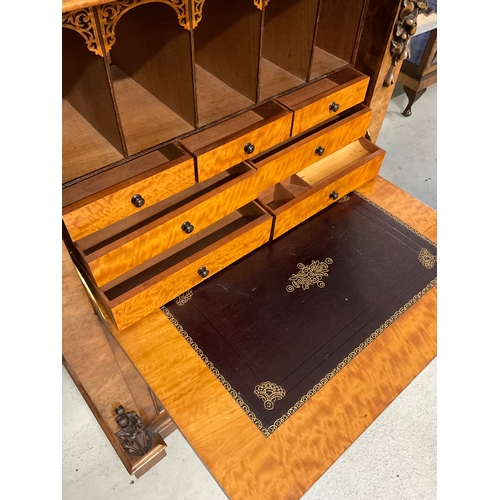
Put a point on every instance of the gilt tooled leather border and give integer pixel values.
(267, 431)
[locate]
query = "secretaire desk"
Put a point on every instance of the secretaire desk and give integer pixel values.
(289, 461)
(196, 129)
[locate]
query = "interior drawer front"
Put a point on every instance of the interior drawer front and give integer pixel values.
(325, 98)
(108, 205)
(136, 246)
(244, 231)
(309, 191)
(295, 155)
(237, 139)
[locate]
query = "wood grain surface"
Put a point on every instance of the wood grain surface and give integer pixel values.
(232, 152)
(117, 205)
(308, 115)
(246, 464)
(111, 378)
(142, 300)
(308, 204)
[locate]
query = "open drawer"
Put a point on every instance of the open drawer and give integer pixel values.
(147, 287)
(240, 138)
(325, 98)
(302, 195)
(122, 246)
(115, 194)
(299, 152)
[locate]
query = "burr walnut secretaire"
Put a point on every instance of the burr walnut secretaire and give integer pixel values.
(195, 132)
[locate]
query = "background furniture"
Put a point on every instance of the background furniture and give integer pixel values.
(419, 71)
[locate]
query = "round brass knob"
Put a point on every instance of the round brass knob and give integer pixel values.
(334, 195)
(203, 272)
(137, 200)
(319, 150)
(187, 227)
(334, 106)
(249, 148)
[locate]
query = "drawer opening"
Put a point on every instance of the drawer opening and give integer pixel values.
(102, 241)
(342, 160)
(91, 136)
(128, 172)
(193, 248)
(337, 35)
(152, 76)
(226, 53)
(284, 192)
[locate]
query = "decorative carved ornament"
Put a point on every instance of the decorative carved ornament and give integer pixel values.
(269, 392)
(406, 27)
(83, 22)
(307, 276)
(133, 437)
(260, 4)
(426, 258)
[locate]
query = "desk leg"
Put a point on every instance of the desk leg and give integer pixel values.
(413, 96)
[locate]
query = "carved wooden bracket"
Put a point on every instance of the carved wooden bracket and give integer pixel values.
(86, 23)
(260, 4)
(135, 439)
(83, 22)
(406, 27)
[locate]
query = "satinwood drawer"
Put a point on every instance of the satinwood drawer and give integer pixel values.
(297, 153)
(237, 139)
(144, 289)
(125, 245)
(104, 199)
(304, 194)
(325, 98)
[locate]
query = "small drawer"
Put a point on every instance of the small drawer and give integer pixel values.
(122, 246)
(237, 139)
(298, 153)
(325, 98)
(104, 199)
(146, 288)
(302, 195)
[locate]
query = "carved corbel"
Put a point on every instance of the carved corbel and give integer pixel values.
(405, 28)
(83, 22)
(134, 438)
(260, 4)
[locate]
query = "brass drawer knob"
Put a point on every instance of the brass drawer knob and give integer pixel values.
(319, 150)
(203, 272)
(137, 200)
(249, 148)
(334, 106)
(187, 227)
(334, 195)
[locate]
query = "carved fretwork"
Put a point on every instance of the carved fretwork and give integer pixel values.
(109, 15)
(196, 8)
(406, 27)
(83, 22)
(260, 3)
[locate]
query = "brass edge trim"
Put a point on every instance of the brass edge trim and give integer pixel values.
(407, 226)
(267, 431)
